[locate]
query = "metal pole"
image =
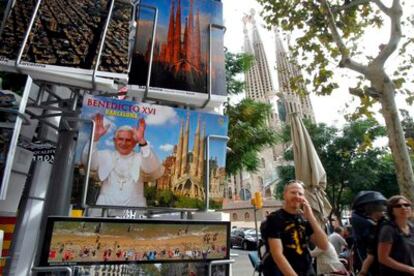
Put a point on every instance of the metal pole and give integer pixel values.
(14, 139)
(255, 225)
(58, 195)
(218, 262)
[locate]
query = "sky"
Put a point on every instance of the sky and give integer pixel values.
(328, 109)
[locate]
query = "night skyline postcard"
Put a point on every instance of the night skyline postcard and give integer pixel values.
(3, 6)
(14, 29)
(175, 136)
(67, 35)
(181, 48)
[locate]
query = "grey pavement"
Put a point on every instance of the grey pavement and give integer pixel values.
(242, 265)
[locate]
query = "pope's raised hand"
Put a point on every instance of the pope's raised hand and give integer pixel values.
(140, 132)
(100, 128)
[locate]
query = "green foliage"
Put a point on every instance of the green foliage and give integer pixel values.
(351, 162)
(164, 198)
(408, 127)
(248, 134)
(318, 49)
(187, 202)
(150, 194)
(285, 174)
(236, 64)
(215, 205)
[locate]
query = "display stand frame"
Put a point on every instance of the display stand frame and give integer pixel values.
(20, 119)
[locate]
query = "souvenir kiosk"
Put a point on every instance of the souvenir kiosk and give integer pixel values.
(112, 152)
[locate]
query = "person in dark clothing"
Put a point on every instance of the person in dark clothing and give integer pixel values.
(396, 239)
(368, 209)
(370, 265)
(289, 232)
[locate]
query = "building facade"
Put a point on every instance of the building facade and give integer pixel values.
(285, 101)
(290, 101)
(259, 87)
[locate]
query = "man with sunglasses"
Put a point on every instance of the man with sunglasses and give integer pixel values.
(288, 233)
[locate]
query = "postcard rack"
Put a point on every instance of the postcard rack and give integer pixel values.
(52, 104)
(108, 85)
(70, 272)
(21, 118)
(82, 81)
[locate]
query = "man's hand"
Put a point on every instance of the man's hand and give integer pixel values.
(307, 210)
(140, 132)
(100, 129)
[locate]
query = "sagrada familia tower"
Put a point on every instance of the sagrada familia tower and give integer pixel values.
(259, 87)
(181, 52)
(184, 168)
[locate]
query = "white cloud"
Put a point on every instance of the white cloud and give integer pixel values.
(166, 147)
(163, 115)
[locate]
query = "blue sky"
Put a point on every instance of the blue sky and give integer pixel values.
(162, 129)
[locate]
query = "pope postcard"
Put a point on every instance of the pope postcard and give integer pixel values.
(146, 155)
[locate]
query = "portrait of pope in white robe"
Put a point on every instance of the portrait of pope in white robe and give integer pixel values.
(120, 170)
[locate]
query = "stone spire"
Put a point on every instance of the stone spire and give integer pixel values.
(184, 166)
(170, 35)
(258, 79)
(177, 35)
(286, 70)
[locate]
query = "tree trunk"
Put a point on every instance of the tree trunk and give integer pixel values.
(403, 168)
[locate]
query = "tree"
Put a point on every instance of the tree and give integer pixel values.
(249, 134)
(248, 130)
(330, 34)
(408, 127)
(351, 162)
(236, 64)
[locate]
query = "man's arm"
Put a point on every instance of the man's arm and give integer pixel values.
(316, 252)
(276, 250)
(150, 162)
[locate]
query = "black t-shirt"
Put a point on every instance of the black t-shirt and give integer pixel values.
(402, 249)
(294, 232)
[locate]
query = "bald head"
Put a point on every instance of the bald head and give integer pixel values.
(294, 195)
(293, 183)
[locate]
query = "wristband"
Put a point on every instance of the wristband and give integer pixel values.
(143, 144)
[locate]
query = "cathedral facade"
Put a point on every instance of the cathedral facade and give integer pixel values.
(185, 168)
(284, 100)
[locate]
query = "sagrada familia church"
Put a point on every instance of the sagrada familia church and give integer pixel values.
(184, 168)
(259, 87)
(181, 53)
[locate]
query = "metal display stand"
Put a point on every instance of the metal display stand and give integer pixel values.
(52, 269)
(15, 137)
(221, 262)
(209, 84)
(55, 196)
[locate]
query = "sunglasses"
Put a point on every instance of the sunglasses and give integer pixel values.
(405, 205)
